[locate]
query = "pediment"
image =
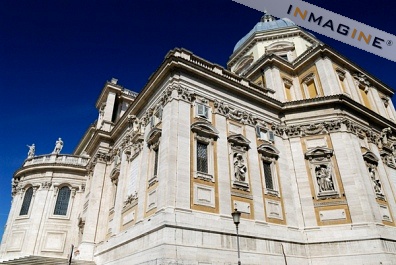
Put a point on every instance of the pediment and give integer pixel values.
(153, 136)
(268, 150)
(238, 140)
(319, 152)
(205, 129)
(370, 158)
(115, 173)
(280, 46)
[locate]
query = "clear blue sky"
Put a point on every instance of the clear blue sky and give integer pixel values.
(56, 55)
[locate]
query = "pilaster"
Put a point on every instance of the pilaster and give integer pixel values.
(183, 156)
(89, 237)
(223, 167)
(302, 179)
(328, 77)
(255, 176)
(351, 166)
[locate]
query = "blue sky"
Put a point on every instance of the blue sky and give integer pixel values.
(55, 57)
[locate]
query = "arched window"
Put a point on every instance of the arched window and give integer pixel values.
(26, 201)
(62, 202)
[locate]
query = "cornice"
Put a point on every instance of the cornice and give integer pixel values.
(342, 102)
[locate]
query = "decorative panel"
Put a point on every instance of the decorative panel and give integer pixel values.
(128, 217)
(332, 215)
(54, 241)
(243, 207)
(17, 241)
(152, 200)
(204, 195)
(273, 209)
(385, 214)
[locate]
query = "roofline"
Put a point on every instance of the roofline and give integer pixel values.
(321, 50)
(291, 30)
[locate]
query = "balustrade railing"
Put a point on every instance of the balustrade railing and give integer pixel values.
(57, 159)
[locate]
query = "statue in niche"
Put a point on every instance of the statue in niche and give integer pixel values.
(240, 168)
(324, 178)
(376, 181)
(32, 150)
(58, 146)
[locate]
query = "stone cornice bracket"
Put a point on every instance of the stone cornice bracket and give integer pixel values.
(184, 94)
(385, 100)
(370, 158)
(385, 135)
(340, 73)
(234, 113)
(388, 158)
(132, 121)
(102, 157)
(46, 185)
(287, 82)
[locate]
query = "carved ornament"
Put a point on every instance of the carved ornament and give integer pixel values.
(205, 129)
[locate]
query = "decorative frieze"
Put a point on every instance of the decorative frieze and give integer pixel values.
(234, 113)
(46, 185)
(361, 79)
(131, 199)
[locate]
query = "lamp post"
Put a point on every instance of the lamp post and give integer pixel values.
(236, 216)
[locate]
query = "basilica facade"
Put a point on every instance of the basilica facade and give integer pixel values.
(291, 133)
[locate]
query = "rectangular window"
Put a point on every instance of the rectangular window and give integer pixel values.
(202, 157)
(155, 162)
(269, 184)
(313, 93)
(283, 56)
(202, 111)
(365, 98)
(288, 93)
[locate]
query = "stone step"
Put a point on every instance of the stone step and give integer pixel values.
(38, 260)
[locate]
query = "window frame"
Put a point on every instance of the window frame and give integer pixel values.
(209, 175)
(27, 215)
(203, 116)
(268, 154)
(67, 213)
(311, 79)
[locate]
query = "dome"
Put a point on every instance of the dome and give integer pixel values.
(266, 25)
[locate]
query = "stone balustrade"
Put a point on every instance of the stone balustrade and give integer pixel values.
(57, 159)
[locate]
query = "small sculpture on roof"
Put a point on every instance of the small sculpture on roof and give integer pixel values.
(58, 146)
(32, 150)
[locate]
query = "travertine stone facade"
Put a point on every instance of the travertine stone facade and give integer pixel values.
(297, 138)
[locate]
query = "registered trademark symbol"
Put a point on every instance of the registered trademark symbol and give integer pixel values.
(389, 42)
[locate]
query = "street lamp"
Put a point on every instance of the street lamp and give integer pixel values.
(236, 216)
